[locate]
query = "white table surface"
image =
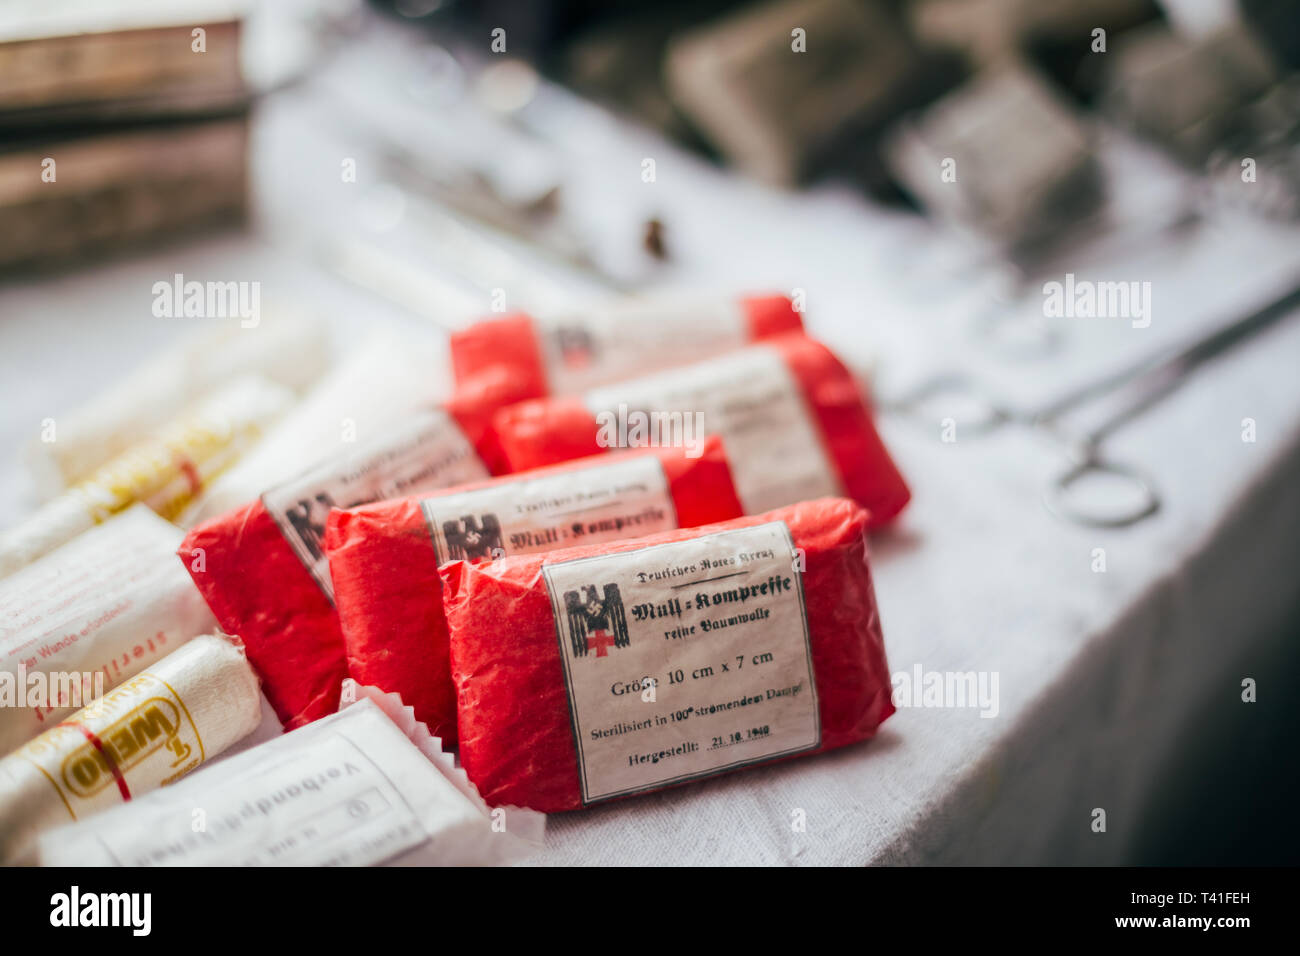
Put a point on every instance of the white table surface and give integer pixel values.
(1097, 672)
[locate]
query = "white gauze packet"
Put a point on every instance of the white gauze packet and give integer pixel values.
(165, 471)
(89, 615)
(285, 348)
(146, 733)
(364, 786)
(360, 397)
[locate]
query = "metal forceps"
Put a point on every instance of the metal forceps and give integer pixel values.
(1152, 378)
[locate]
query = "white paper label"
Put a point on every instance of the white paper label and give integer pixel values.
(633, 338)
(349, 789)
(424, 454)
(752, 401)
(624, 499)
(684, 660)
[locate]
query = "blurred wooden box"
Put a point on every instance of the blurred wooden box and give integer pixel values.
(119, 122)
(66, 62)
(118, 188)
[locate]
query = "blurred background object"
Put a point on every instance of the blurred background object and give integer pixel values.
(119, 187)
(117, 60)
(119, 122)
(1188, 94)
(881, 92)
(878, 93)
(1059, 38)
(1004, 154)
(777, 107)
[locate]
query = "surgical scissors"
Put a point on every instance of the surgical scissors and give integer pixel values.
(1155, 377)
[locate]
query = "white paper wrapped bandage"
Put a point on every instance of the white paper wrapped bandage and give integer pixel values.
(89, 615)
(286, 348)
(360, 397)
(165, 471)
(350, 789)
(146, 733)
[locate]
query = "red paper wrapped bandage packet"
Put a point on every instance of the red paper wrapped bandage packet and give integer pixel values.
(262, 567)
(792, 416)
(565, 354)
(384, 557)
(600, 672)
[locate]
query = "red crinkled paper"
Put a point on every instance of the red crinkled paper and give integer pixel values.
(543, 431)
(258, 588)
(385, 574)
(516, 735)
(510, 341)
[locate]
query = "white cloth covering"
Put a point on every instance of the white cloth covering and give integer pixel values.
(1098, 672)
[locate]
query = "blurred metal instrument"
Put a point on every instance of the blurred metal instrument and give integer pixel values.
(1151, 378)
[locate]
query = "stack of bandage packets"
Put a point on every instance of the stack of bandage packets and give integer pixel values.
(625, 548)
(572, 516)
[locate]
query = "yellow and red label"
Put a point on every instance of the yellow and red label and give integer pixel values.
(140, 736)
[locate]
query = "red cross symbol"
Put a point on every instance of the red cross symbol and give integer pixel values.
(600, 642)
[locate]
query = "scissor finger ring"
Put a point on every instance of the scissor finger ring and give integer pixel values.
(1062, 503)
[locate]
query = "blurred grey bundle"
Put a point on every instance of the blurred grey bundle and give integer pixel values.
(1004, 155)
(1189, 95)
(777, 87)
(119, 122)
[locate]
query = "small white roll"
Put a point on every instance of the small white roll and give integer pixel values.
(146, 733)
(165, 471)
(285, 348)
